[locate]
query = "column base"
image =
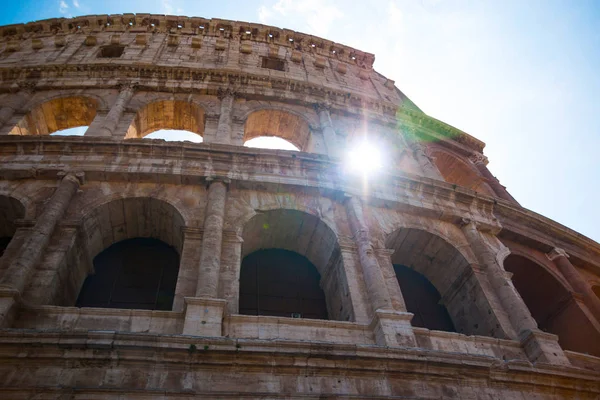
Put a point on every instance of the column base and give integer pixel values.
(203, 316)
(9, 306)
(543, 347)
(393, 329)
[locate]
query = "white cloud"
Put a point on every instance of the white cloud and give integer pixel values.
(315, 15)
(167, 6)
(63, 7)
(76, 3)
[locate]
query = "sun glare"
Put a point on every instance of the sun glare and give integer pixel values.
(364, 158)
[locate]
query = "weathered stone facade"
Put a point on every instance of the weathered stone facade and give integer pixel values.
(522, 291)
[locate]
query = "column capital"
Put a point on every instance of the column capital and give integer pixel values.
(77, 177)
(217, 178)
(128, 85)
(319, 107)
(470, 223)
(478, 158)
(555, 253)
(226, 92)
(26, 86)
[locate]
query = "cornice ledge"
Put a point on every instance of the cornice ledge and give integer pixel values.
(433, 124)
(559, 232)
(202, 76)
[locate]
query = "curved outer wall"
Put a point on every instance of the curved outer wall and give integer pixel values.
(434, 207)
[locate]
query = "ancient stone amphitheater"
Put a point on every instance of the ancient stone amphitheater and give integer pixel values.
(152, 269)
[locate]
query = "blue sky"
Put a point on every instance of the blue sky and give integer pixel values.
(523, 76)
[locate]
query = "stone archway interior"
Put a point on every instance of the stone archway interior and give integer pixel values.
(423, 300)
(10, 210)
(167, 114)
(552, 306)
(284, 125)
(57, 114)
(458, 172)
(116, 221)
(281, 283)
(297, 234)
(136, 273)
(447, 270)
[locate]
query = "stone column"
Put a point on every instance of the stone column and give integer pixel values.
(225, 117)
(113, 117)
(22, 267)
(229, 286)
(538, 345)
(481, 162)
(212, 240)
(16, 102)
(204, 312)
(188, 266)
(561, 260)
(329, 134)
(391, 327)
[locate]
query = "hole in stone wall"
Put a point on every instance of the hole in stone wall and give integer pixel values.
(138, 273)
(174, 135)
(281, 283)
(111, 51)
(266, 142)
(10, 210)
(552, 306)
(423, 300)
(78, 131)
(56, 115)
(273, 63)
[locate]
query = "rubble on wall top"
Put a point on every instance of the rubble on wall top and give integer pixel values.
(172, 24)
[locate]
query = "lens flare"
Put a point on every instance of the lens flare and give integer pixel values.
(364, 158)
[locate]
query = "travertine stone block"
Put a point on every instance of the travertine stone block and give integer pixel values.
(196, 42)
(37, 44)
(296, 56)
(246, 47)
(91, 40)
(341, 68)
(141, 40)
(60, 40)
(220, 44)
(173, 41)
(203, 316)
(320, 62)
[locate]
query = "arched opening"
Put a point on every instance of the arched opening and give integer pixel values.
(281, 283)
(10, 210)
(423, 300)
(57, 115)
(136, 273)
(275, 143)
(277, 123)
(432, 260)
(552, 305)
(125, 226)
(174, 135)
(167, 114)
(79, 131)
(285, 246)
(460, 173)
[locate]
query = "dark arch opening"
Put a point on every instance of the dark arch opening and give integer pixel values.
(281, 283)
(552, 306)
(10, 210)
(423, 300)
(138, 273)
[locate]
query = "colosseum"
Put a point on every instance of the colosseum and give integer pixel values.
(149, 269)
